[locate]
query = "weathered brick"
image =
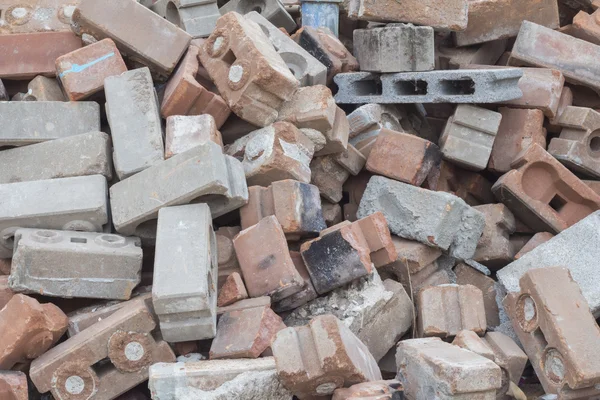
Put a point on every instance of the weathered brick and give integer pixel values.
(518, 130)
(45, 89)
(316, 359)
(302, 297)
(232, 290)
(543, 193)
(29, 329)
(184, 132)
(418, 157)
(153, 41)
(245, 333)
(30, 16)
(445, 310)
(13, 385)
(265, 261)
(296, 205)
(27, 55)
(247, 70)
(186, 92)
(82, 72)
(553, 322)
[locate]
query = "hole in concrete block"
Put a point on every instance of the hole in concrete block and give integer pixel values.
(103, 367)
(229, 57)
(78, 240)
(457, 87)
(411, 88)
(540, 338)
(557, 203)
(367, 88)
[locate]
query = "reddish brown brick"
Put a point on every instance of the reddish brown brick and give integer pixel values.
(328, 49)
(445, 310)
(82, 72)
(541, 89)
(246, 333)
(566, 100)
(13, 385)
(543, 193)
(247, 70)
(466, 275)
(537, 239)
(28, 329)
(186, 95)
(418, 157)
(26, 55)
(518, 130)
(265, 261)
(586, 26)
(232, 290)
(377, 234)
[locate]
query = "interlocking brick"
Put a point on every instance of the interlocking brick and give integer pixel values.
(329, 173)
(77, 203)
(245, 333)
(554, 323)
(444, 220)
(113, 19)
(296, 205)
(135, 125)
(73, 369)
(322, 44)
(519, 129)
(186, 92)
(302, 297)
(377, 390)
(395, 48)
(227, 259)
(276, 152)
(543, 193)
(585, 26)
(469, 136)
(451, 15)
(29, 16)
(31, 122)
(199, 173)
(494, 249)
(466, 275)
(509, 357)
(84, 154)
(241, 379)
(419, 157)
(313, 107)
(579, 143)
(185, 132)
(539, 46)
(272, 10)
(537, 239)
(82, 72)
(507, 17)
(250, 75)
(566, 100)
(29, 329)
(307, 69)
(445, 310)
(27, 55)
(75, 264)
(265, 261)
(316, 359)
(185, 301)
(45, 89)
(427, 366)
(232, 290)
(13, 385)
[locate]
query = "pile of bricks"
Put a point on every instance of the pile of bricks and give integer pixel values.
(307, 199)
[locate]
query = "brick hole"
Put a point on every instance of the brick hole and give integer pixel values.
(172, 14)
(457, 87)
(557, 203)
(411, 88)
(367, 88)
(78, 240)
(540, 338)
(103, 367)
(595, 143)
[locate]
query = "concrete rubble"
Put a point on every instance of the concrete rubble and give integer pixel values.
(299, 199)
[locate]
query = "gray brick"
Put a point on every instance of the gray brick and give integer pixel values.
(75, 264)
(452, 86)
(272, 10)
(184, 293)
(27, 122)
(77, 203)
(202, 173)
(437, 219)
(196, 17)
(576, 248)
(84, 154)
(395, 48)
(135, 125)
(307, 69)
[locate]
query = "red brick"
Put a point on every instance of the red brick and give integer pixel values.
(13, 385)
(232, 290)
(537, 239)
